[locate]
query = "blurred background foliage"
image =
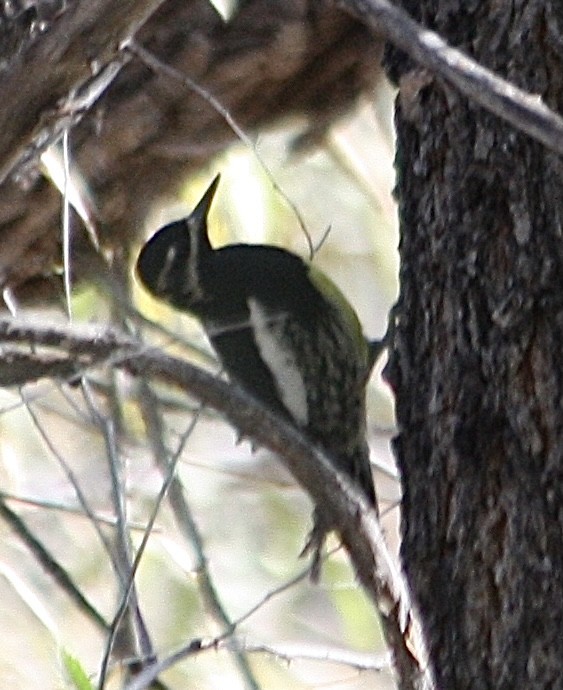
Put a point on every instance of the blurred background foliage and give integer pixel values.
(252, 518)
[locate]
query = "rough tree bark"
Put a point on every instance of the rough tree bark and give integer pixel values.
(477, 359)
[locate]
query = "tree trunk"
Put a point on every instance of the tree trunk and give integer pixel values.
(477, 359)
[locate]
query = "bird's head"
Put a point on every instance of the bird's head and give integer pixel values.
(169, 265)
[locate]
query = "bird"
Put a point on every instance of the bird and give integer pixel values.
(282, 330)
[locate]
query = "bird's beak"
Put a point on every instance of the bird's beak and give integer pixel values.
(198, 216)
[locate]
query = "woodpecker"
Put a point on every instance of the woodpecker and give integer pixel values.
(282, 330)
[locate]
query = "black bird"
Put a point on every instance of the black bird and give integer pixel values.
(281, 329)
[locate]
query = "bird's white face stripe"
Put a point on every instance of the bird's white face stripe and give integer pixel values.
(192, 280)
(165, 270)
(267, 329)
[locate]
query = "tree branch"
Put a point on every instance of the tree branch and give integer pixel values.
(521, 109)
(357, 523)
(80, 43)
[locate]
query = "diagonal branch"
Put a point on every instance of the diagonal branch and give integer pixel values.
(521, 109)
(186, 521)
(82, 42)
(357, 523)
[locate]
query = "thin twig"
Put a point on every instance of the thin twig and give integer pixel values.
(122, 542)
(168, 478)
(51, 565)
(226, 639)
(271, 594)
(186, 520)
(46, 504)
(81, 496)
(65, 220)
(291, 652)
(358, 525)
(157, 65)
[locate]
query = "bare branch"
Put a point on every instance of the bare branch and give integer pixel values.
(121, 542)
(186, 521)
(79, 71)
(357, 523)
(521, 109)
(291, 652)
(74, 510)
(51, 565)
(166, 70)
(358, 662)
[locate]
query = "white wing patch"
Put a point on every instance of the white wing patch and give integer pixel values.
(268, 334)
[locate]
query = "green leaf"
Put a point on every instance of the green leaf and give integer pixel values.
(75, 672)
